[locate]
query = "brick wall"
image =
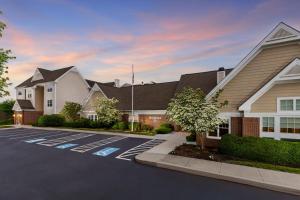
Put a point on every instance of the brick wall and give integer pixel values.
(152, 120)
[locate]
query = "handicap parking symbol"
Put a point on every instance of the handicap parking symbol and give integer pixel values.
(65, 146)
(105, 152)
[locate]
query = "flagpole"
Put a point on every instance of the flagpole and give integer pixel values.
(132, 114)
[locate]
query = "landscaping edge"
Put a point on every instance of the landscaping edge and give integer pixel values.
(172, 162)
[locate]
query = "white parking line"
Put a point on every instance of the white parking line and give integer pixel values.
(20, 133)
(69, 138)
(44, 134)
(99, 143)
(139, 149)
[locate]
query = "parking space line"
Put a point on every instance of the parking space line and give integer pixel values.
(139, 149)
(99, 143)
(23, 133)
(65, 139)
(31, 135)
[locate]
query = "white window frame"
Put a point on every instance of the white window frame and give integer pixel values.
(287, 124)
(20, 93)
(218, 131)
(92, 117)
(49, 103)
(262, 124)
(294, 111)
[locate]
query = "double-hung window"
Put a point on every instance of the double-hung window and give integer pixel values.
(49, 103)
(93, 117)
(49, 89)
(289, 104)
(268, 124)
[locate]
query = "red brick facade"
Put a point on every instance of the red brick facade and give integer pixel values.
(152, 120)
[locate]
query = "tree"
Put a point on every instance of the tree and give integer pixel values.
(6, 107)
(107, 111)
(71, 110)
(194, 113)
(5, 56)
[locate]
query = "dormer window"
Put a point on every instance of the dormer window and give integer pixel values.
(50, 89)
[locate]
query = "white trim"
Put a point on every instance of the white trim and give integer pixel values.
(94, 89)
(55, 100)
(246, 106)
(291, 112)
(253, 53)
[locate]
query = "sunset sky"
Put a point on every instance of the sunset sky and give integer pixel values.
(163, 39)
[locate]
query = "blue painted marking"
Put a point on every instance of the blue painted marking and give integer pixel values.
(65, 146)
(105, 152)
(35, 140)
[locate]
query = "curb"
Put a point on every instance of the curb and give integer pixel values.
(165, 165)
(88, 131)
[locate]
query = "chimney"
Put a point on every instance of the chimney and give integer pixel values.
(220, 74)
(117, 82)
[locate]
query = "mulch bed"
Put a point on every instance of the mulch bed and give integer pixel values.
(194, 151)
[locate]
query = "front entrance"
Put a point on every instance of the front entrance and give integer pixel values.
(18, 118)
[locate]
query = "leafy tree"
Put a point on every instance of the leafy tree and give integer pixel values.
(107, 111)
(194, 113)
(71, 110)
(5, 56)
(6, 107)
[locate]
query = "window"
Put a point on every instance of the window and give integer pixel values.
(287, 105)
(49, 89)
(29, 95)
(289, 125)
(268, 124)
(49, 103)
(19, 93)
(222, 130)
(93, 117)
(297, 104)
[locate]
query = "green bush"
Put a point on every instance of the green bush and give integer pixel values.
(7, 122)
(80, 123)
(167, 125)
(136, 126)
(96, 124)
(120, 126)
(146, 127)
(163, 130)
(191, 137)
(261, 150)
(51, 120)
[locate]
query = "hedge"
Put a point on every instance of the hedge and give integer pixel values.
(261, 150)
(163, 130)
(51, 120)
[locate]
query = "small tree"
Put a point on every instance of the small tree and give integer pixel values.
(194, 113)
(5, 56)
(71, 110)
(6, 107)
(107, 111)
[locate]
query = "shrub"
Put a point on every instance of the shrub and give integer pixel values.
(80, 123)
(136, 126)
(96, 124)
(191, 137)
(163, 130)
(120, 126)
(167, 125)
(51, 120)
(70, 111)
(262, 150)
(146, 127)
(7, 122)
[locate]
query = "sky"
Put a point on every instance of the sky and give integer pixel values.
(162, 38)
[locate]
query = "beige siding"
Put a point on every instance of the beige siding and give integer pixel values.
(267, 63)
(70, 88)
(39, 99)
(268, 102)
(90, 106)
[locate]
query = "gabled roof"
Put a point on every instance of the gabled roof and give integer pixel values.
(206, 81)
(288, 73)
(48, 76)
(146, 97)
(280, 34)
(25, 104)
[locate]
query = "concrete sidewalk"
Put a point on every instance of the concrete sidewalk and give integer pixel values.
(268, 179)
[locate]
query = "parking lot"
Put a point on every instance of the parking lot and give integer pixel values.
(49, 164)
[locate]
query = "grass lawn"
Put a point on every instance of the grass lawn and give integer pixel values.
(265, 166)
